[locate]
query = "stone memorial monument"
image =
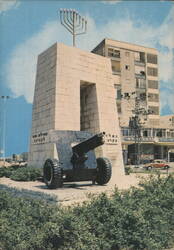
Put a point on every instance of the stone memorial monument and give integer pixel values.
(74, 91)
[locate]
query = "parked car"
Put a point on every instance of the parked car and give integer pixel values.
(158, 164)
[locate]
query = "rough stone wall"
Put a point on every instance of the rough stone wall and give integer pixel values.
(43, 116)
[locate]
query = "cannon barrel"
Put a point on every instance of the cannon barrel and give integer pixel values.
(89, 144)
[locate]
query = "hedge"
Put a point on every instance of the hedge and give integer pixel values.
(21, 173)
(7, 171)
(26, 174)
(139, 218)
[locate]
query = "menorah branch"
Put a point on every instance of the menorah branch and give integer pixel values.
(73, 22)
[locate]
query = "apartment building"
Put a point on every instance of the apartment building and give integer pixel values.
(135, 77)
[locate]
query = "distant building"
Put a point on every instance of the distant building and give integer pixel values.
(135, 75)
(20, 157)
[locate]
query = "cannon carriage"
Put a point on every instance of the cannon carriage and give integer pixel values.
(77, 160)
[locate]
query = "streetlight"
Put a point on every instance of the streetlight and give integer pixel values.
(4, 98)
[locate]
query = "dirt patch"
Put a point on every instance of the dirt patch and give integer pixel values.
(73, 193)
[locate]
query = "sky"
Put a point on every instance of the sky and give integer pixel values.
(28, 27)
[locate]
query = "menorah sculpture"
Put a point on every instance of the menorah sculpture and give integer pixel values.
(73, 22)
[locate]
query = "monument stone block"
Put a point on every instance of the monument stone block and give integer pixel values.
(74, 91)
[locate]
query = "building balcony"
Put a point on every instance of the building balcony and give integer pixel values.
(141, 88)
(147, 136)
(166, 139)
(140, 75)
(115, 58)
(139, 63)
(147, 139)
(141, 139)
(116, 72)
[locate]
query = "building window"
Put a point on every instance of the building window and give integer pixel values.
(127, 67)
(152, 58)
(145, 133)
(168, 134)
(113, 53)
(153, 97)
(140, 70)
(118, 95)
(125, 132)
(140, 83)
(152, 71)
(172, 121)
(115, 66)
(154, 110)
(142, 96)
(152, 84)
(160, 132)
(139, 57)
(172, 133)
(119, 107)
(127, 53)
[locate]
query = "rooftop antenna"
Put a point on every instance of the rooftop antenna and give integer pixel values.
(73, 22)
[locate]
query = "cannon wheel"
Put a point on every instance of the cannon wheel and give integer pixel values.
(104, 170)
(52, 174)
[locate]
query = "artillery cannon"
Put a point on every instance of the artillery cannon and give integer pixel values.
(76, 160)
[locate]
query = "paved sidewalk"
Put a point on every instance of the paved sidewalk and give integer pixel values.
(75, 192)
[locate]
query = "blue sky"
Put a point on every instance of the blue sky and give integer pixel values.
(29, 27)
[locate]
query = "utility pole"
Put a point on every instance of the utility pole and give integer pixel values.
(4, 98)
(73, 22)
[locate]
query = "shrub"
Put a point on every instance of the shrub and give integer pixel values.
(21, 220)
(26, 174)
(7, 171)
(20, 173)
(128, 170)
(139, 218)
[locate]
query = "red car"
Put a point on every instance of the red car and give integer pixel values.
(160, 164)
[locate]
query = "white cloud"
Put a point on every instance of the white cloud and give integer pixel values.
(6, 5)
(22, 65)
(166, 65)
(111, 1)
(21, 68)
(167, 99)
